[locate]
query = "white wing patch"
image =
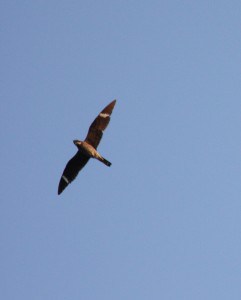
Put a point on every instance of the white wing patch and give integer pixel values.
(65, 179)
(104, 115)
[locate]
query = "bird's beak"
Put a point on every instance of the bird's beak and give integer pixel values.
(75, 142)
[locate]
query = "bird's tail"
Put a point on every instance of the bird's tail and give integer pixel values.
(105, 161)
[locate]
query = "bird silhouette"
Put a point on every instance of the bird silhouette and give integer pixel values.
(88, 148)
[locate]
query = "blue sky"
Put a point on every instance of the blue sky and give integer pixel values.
(164, 222)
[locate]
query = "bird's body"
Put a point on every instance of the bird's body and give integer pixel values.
(87, 148)
(89, 151)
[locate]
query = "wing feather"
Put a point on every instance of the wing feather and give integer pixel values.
(99, 125)
(74, 165)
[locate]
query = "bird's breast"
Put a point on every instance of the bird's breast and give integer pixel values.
(87, 149)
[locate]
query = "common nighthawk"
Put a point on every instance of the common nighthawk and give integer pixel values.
(87, 148)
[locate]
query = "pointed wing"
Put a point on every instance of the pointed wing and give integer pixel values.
(99, 125)
(71, 170)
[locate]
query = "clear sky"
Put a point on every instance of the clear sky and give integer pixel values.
(164, 222)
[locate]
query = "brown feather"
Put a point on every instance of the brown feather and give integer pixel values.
(100, 123)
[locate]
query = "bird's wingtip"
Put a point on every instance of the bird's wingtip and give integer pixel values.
(60, 190)
(113, 102)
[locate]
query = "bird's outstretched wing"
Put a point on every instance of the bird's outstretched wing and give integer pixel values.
(75, 164)
(99, 125)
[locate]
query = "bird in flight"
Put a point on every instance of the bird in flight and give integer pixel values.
(88, 148)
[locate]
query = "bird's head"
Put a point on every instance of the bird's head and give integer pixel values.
(77, 143)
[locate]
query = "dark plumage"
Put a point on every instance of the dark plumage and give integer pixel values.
(87, 148)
